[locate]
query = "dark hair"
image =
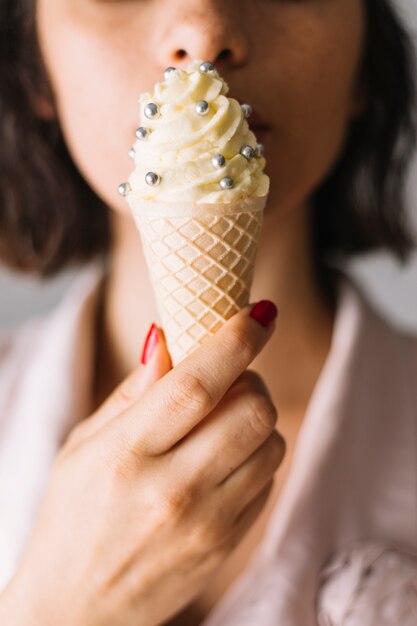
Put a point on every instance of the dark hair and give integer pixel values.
(361, 206)
(50, 217)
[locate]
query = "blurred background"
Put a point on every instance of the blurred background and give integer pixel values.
(392, 288)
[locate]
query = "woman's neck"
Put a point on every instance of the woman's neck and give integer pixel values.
(284, 273)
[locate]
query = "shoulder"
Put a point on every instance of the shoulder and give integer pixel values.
(382, 346)
(42, 349)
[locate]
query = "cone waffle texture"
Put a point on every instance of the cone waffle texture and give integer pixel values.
(201, 260)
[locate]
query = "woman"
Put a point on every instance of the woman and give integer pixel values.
(106, 529)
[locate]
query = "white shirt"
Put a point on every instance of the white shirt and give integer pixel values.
(350, 500)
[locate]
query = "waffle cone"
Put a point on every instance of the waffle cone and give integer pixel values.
(201, 260)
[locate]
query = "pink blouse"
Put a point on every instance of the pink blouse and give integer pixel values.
(340, 547)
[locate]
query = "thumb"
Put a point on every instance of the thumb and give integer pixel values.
(155, 363)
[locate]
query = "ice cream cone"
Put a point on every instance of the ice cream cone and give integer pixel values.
(201, 260)
(197, 194)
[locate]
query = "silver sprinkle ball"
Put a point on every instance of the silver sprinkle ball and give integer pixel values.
(124, 189)
(218, 161)
(168, 71)
(142, 133)
(226, 182)
(247, 109)
(260, 150)
(152, 179)
(132, 153)
(248, 152)
(202, 107)
(151, 110)
(206, 67)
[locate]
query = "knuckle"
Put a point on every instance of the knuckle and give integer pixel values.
(190, 393)
(116, 466)
(258, 385)
(238, 342)
(203, 549)
(276, 448)
(123, 396)
(252, 379)
(171, 502)
(221, 549)
(262, 413)
(116, 457)
(266, 491)
(209, 534)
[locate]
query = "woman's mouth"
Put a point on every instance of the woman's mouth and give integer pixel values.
(258, 124)
(261, 133)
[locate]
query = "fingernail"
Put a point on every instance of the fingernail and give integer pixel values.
(150, 344)
(264, 312)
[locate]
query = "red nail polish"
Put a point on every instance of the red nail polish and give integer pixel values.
(264, 312)
(149, 346)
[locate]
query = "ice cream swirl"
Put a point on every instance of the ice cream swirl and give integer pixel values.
(181, 143)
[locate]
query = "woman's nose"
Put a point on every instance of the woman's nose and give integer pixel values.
(202, 29)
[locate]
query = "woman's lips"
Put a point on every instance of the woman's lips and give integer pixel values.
(260, 130)
(261, 134)
(257, 123)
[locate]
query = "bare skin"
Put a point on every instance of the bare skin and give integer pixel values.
(150, 494)
(297, 62)
(236, 562)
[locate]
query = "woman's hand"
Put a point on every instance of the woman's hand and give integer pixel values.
(149, 495)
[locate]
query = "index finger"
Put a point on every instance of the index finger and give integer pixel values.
(176, 403)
